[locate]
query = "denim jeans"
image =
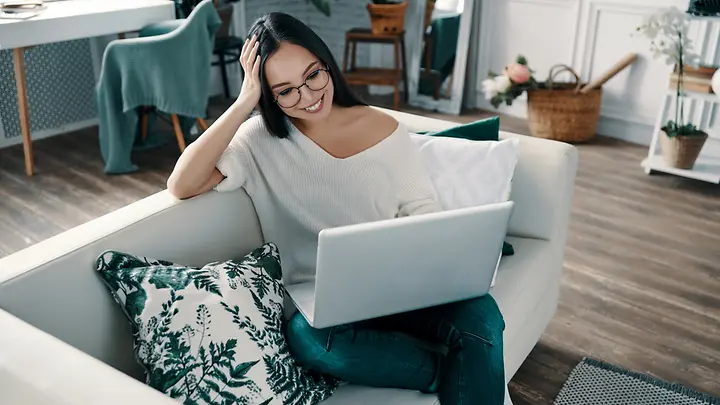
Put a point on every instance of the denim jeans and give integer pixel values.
(454, 350)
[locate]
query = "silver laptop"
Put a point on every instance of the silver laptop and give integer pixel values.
(386, 267)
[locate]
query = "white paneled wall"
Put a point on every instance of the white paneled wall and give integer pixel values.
(590, 36)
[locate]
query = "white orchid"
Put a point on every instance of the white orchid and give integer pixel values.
(668, 31)
(490, 88)
(503, 83)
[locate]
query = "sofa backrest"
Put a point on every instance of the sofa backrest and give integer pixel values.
(52, 285)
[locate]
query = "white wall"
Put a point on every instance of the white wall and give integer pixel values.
(590, 36)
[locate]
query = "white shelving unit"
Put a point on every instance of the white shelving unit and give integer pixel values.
(707, 166)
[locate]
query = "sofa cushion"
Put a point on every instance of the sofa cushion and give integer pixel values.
(487, 129)
(526, 291)
(212, 333)
(349, 394)
(467, 173)
(480, 182)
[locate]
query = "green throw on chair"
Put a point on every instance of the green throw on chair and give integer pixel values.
(167, 67)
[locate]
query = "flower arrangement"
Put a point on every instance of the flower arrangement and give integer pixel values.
(505, 87)
(667, 30)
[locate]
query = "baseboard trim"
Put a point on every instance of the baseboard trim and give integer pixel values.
(46, 133)
(611, 126)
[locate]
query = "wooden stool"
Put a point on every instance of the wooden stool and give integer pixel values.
(377, 76)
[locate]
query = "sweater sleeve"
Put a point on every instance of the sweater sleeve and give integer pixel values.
(233, 164)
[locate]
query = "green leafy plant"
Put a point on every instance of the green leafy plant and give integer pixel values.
(667, 30)
(323, 6)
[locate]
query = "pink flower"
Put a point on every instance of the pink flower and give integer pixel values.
(518, 73)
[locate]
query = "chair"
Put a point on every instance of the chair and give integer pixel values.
(167, 68)
(227, 47)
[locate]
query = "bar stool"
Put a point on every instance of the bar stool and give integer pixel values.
(375, 75)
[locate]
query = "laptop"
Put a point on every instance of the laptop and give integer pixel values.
(380, 268)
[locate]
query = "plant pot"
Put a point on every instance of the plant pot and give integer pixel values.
(681, 152)
(387, 18)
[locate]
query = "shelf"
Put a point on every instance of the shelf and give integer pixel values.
(710, 97)
(704, 17)
(704, 169)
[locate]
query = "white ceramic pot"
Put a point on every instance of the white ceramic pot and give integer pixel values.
(715, 84)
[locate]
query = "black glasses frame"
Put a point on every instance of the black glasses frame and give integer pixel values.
(297, 88)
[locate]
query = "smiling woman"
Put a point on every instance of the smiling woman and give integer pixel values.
(297, 70)
(318, 157)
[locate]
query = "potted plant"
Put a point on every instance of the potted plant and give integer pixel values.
(387, 16)
(322, 6)
(667, 31)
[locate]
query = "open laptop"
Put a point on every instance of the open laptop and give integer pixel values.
(386, 267)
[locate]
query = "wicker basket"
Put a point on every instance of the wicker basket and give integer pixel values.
(387, 18)
(560, 112)
(682, 151)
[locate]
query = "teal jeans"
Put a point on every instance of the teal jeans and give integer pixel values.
(454, 350)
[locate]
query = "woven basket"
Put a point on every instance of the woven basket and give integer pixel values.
(560, 112)
(387, 18)
(682, 151)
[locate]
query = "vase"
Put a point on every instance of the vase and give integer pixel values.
(715, 82)
(387, 18)
(682, 151)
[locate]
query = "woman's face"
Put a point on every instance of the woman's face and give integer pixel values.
(293, 66)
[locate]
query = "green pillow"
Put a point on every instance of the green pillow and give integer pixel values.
(212, 334)
(487, 129)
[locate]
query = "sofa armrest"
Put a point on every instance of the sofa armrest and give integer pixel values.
(53, 284)
(37, 368)
(157, 226)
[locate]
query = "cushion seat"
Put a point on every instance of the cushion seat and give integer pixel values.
(355, 394)
(524, 281)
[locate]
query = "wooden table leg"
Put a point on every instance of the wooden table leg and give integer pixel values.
(20, 82)
(345, 56)
(354, 54)
(398, 74)
(404, 67)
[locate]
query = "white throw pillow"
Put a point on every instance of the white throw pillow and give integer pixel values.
(469, 173)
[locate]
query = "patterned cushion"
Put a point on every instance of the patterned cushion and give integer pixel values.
(212, 335)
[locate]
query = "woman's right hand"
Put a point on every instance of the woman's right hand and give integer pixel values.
(195, 171)
(250, 62)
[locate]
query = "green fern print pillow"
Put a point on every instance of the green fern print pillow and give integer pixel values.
(212, 335)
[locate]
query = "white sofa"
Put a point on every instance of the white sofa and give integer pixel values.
(63, 340)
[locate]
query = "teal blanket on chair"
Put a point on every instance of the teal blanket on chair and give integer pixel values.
(167, 67)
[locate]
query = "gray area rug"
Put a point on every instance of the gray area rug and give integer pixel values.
(595, 382)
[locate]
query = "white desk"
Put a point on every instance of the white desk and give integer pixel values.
(73, 19)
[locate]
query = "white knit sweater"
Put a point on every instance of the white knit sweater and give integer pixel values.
(299, 189)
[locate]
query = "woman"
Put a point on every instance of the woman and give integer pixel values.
(318, 157)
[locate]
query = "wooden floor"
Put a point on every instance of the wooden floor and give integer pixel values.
(641, 287)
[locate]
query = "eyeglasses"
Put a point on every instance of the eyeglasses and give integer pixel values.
(315, 81)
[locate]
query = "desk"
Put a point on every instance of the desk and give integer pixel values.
(68, 20)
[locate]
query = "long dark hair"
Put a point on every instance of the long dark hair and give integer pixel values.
(273, 28)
